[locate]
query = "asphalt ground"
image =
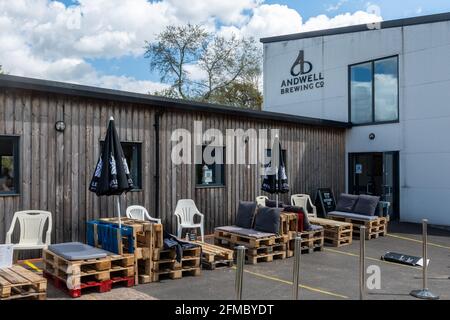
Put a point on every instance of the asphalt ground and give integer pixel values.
(329, 274)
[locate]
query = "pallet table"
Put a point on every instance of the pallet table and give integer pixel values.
(75, 276)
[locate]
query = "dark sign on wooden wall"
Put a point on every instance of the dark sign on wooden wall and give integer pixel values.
(325, 201)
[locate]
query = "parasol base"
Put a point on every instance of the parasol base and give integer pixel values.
(424, 294)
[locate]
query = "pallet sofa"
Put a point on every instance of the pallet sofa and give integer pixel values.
(362, 210)
(267, 233)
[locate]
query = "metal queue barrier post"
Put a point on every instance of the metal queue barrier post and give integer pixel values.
(362, 262)
(424, 293)
(296, 270)
(240, 260)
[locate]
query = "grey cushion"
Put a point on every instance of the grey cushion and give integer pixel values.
(77, 251)
(268, 219)
(245, 214)
(366, 205)
(314, 227)
(273, 204)
(352, 215)
(346, 202)
(246, 232)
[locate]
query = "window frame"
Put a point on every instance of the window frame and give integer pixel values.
(139, 144)
(223, 166)
(16, 165)
(349, 80)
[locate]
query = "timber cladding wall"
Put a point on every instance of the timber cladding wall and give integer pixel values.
(56, 167)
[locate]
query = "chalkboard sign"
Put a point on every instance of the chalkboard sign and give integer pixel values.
(325, 201)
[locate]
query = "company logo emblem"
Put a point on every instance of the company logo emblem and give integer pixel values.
(300, 66)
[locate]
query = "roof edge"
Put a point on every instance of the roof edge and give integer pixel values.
(40, 85)
(432, 18)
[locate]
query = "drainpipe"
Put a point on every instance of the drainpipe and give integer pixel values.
(157, 167)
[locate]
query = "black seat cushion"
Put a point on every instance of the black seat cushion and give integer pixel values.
(346, 202)
(268, 219)
(273, 203)
(245, 214)
(367, 205)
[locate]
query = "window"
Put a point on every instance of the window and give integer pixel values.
(374, 91)
(132, 153)
(210, 173)
(9, 165)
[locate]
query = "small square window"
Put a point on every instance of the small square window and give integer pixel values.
(9, 165)
(211, 174)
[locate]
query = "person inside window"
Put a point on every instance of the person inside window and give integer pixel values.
(6, 180)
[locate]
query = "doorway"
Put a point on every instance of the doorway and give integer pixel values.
(377, 174)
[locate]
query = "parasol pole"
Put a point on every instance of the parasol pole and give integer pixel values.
(118, 210)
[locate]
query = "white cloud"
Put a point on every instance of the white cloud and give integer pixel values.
(337, 6)
(347, 19)
(46, 39)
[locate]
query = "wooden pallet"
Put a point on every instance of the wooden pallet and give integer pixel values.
(175, 274)
(214, 257)
(75, 273)
(267, 257)
(312, 241)
(101, 286)
(247, 241)
(17, 282)
(374, 228)
(336, 233)
(148, 238)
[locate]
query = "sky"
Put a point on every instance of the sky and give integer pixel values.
(100, 42)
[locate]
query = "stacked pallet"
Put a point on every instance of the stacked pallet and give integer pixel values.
(374, 228)
(311, 241)
(288, 224)
(147, 237)
(337, 233)
(101, 273)
(165, 265)
(263, 249)
(214, 257)
(17, 282)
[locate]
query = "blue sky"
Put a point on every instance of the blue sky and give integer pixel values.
(107, 49)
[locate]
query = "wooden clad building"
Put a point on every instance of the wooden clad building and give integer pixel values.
(51, 169)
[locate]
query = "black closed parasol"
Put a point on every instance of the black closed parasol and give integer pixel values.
(112, 175)
(275, 178)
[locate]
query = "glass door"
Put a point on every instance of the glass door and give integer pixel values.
(375, 174)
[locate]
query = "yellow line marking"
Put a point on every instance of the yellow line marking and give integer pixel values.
(28, 263)
(300, 285)
(370, 258)
(419, 241)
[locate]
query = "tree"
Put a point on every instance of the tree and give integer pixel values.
(228, 68)
(1, 70)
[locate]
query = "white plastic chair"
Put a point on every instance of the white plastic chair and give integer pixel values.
(185, 212)
(261, 200)
(304, 201)
(31, 223)
(140, 213)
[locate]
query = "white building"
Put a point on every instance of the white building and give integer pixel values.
(392, 82)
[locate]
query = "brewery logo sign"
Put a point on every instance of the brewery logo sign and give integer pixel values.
(302, 77)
